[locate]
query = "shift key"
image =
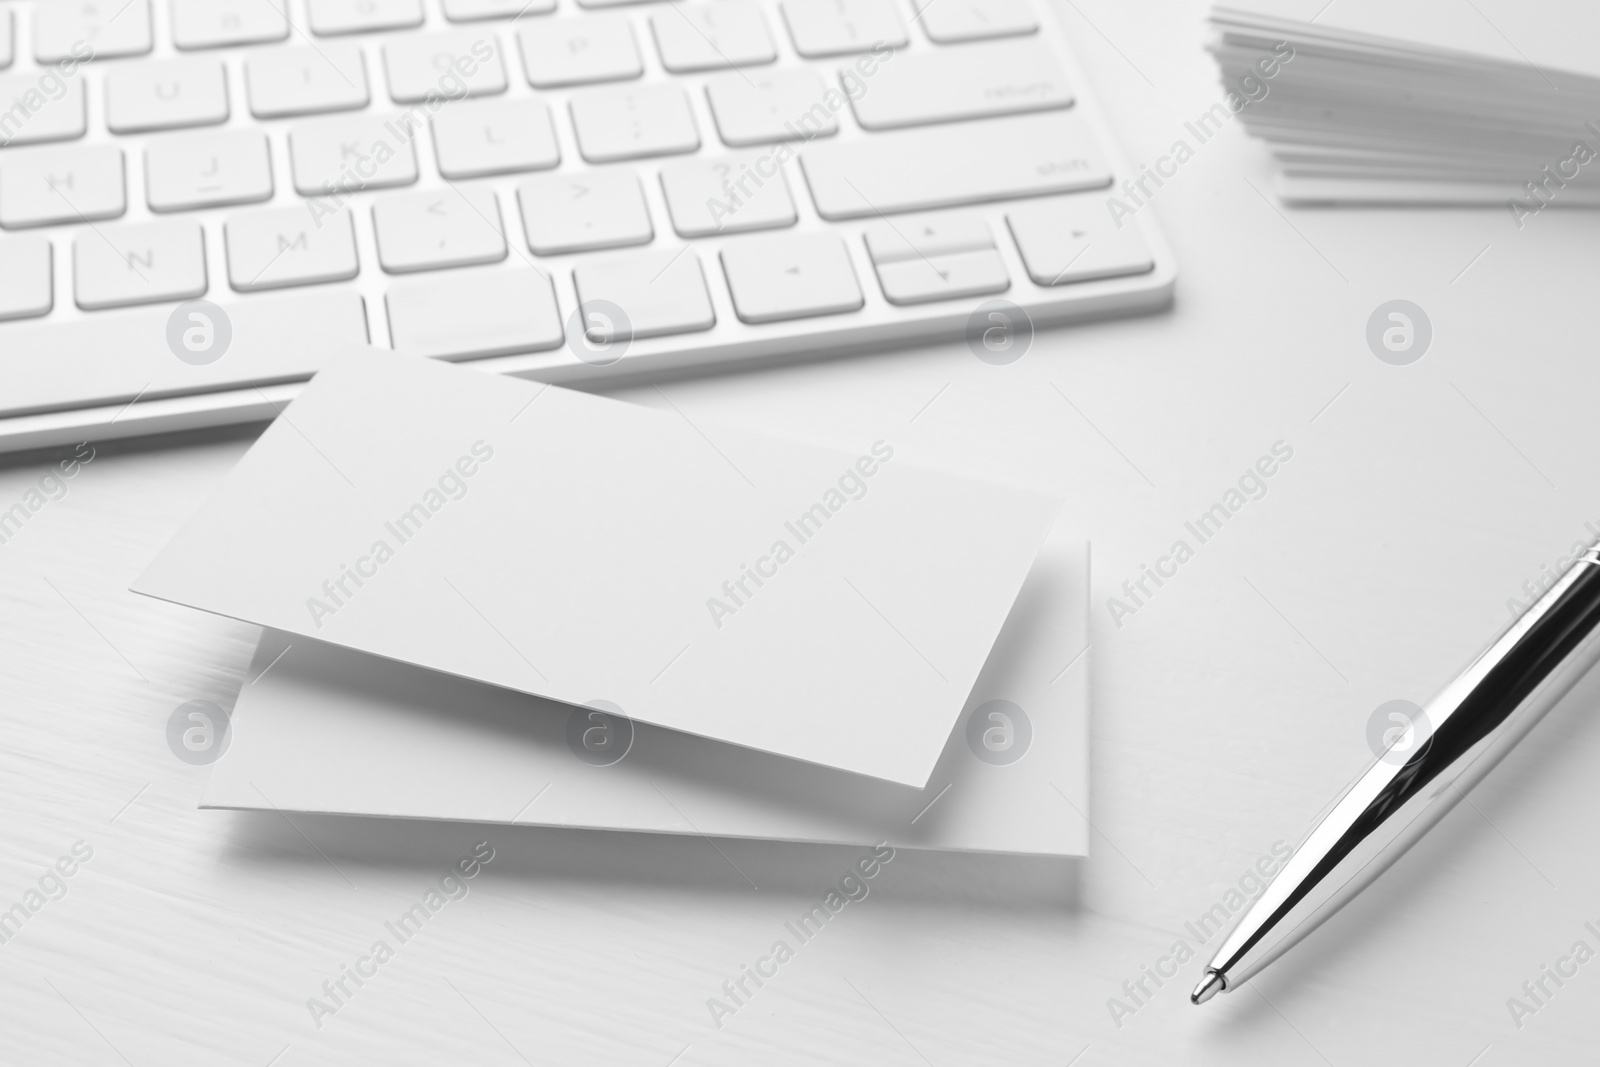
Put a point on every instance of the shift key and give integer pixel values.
(947, 166)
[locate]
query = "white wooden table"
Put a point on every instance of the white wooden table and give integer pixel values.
(1229, 708)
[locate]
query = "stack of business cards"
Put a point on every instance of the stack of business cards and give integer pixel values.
(1430, 101)
(498, 601)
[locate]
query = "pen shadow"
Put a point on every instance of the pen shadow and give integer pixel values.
(1555, 751)
(567, 860)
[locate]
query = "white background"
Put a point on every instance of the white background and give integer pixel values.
(1228, 711)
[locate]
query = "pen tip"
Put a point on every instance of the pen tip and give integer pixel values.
(1210, 986)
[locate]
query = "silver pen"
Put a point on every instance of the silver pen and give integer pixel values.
(1462, 733)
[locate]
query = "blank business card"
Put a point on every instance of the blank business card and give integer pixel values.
(324, 729)
(829, 606)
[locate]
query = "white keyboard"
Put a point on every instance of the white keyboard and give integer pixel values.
(201, 200)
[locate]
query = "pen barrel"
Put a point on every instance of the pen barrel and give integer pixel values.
(1469, 726)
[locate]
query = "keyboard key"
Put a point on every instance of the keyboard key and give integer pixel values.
(76, 184)
(472, 10)
(1073, 240)
(980, 80)
(728, 195)
(771, 106)
(207, 170)
(472, 314)
(24, 119)
(442, 228)
(450, 65)
(727, 33)
(790, 276)
(165, 94)
(494, 137)
(304, 81)
(947, 166)
(926, 236)
(354, 152)
(144, 263)
(660, 293)
(110, 27)
(330, 17)
(8, 38)
(27, 286)
(918, 281)
(839, 27)
(219, 23)
(633, 122)
(584, 211)
(579, 52)
(949, 21)
(282, 246)
(935, 257)
(113, 357)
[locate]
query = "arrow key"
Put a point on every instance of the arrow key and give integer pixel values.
(790, 276)
(920, 280)
(1072, 239)
(926, 236)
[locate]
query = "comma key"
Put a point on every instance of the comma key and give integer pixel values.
(439, 228)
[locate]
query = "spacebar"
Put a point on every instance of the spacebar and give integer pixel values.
(117, 357)
(962, 163)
